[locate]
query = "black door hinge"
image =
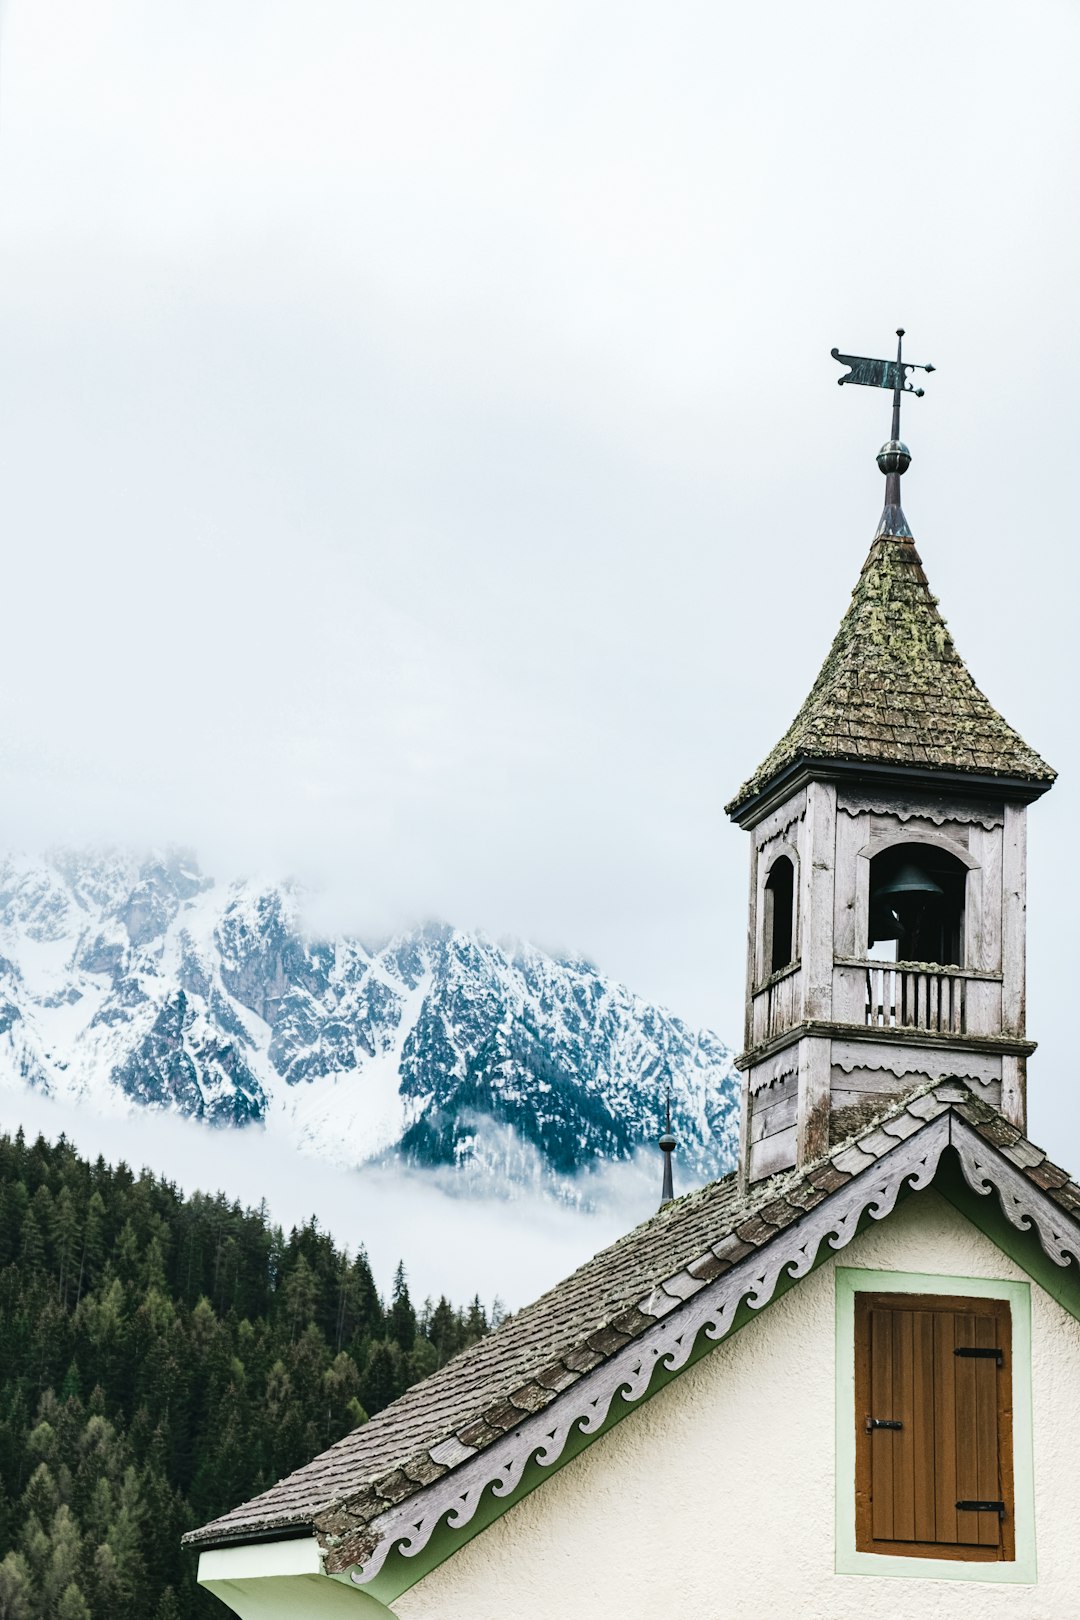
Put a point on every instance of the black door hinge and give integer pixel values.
(982, 1507)
(882, 1423)
(971, 1350)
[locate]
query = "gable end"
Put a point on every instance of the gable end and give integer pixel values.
(510, 1467)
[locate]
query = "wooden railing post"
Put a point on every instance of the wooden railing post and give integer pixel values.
(910, 998)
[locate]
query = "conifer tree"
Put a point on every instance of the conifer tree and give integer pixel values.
(402, 1322)
(15, 1587)
(444, 1330)
(168, 1608)
(73, 1606)
(93, 1246)
(476, 1323)
(45, 1214)
(301, 1293)
(33, 1243)
(67, 1235)
(382, 1381)
(65, 1558)
(161, 1359)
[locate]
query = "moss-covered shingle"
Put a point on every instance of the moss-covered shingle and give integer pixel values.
(895, 691)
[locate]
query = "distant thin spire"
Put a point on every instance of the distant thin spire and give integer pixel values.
(668, 1145)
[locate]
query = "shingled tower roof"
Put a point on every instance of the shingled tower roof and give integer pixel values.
(895, 691)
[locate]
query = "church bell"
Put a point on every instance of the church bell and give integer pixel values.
(896, 904)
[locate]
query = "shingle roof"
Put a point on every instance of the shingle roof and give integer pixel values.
(895, 691)
(623, 1293)
(485, 1389)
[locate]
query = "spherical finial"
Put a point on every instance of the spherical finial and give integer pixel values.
(894, 457)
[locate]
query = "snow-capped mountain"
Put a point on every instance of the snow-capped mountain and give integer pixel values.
(128, 982)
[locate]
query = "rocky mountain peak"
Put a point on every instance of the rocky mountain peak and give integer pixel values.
(137, 981)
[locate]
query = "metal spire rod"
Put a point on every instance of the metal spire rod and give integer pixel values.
(899, 388)
(892, 476)
(894, 458)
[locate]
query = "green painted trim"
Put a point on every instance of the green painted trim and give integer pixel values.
(984, 1211)
(851, 1280)
(279, 1580)
(400, 1572)
(290, 1597)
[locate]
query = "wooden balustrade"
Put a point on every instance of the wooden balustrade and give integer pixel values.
(916, 998)
(778, 1005)
(884, 995)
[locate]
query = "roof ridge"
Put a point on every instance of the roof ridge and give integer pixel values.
(572, 1330)
(365, 1538)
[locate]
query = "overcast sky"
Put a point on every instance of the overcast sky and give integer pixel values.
(421, 463)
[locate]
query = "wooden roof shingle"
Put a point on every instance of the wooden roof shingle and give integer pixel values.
(617, 1300)
(895, 691)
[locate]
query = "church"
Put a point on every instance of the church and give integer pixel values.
(841, 1381)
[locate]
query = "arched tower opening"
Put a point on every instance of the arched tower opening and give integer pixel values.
(917, 895)
(780, 914)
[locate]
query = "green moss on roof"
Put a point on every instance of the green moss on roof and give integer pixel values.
(895, 691)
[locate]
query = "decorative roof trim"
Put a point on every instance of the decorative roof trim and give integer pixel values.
(966, 811)
(749, 1245)
(1023, 1203)
(964, 1066)
(767, 1075)
(585, 1405)
(749, 810)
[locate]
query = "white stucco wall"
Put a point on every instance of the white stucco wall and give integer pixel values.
(717, 1498)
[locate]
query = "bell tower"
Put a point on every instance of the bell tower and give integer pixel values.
(887, 867)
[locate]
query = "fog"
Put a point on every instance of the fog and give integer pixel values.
(506, 1250)
(421, 465)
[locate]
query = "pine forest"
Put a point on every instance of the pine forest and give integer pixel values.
(162, 1358)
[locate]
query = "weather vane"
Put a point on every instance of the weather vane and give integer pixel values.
(894, 458)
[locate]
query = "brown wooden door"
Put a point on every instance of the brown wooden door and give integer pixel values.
(933, 1382)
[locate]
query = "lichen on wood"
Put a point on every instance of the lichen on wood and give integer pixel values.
(894, 689)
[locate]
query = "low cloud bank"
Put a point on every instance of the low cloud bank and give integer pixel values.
(453, 1237)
